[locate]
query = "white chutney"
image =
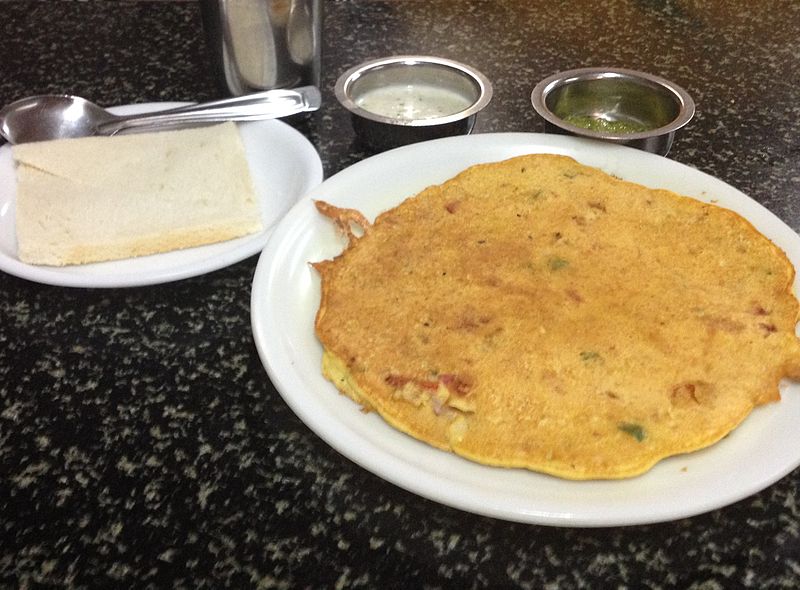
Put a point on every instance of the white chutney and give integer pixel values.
(413, 101)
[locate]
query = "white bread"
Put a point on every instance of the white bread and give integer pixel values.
(105, 198)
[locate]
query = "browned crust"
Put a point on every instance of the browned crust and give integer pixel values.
(344, 219)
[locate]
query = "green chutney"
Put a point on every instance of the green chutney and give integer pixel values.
(604, 125)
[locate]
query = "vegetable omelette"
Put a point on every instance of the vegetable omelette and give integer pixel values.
(539, 313)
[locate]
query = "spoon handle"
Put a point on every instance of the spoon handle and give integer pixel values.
(269, 104)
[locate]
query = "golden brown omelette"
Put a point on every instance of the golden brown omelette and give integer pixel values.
(539, 313)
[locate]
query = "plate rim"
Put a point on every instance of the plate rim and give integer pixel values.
(284, 377)
(226, 254)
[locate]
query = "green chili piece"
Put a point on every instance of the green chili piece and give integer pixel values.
(590, 355)
(635, 430)
(557, 263)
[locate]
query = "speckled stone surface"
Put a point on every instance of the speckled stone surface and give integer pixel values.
(141, 443)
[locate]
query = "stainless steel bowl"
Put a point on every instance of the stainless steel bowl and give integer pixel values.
(623, 106)
(404, 99)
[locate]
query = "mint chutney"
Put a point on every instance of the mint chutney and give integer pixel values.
(605, 125)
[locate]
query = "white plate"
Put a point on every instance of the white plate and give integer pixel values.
(284, 166)
(285, 298)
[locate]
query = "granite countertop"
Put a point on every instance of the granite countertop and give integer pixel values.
(141, 442)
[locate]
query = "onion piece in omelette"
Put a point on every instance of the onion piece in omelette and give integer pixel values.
(541, 314)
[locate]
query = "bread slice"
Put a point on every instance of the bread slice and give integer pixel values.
(105, 198)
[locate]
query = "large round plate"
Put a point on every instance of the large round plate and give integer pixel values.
(285, 298)
(284, 166)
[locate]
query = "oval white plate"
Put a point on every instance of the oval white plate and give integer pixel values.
(285, 298)
(284, 166)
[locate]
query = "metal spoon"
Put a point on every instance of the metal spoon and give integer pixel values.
(39, 118)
